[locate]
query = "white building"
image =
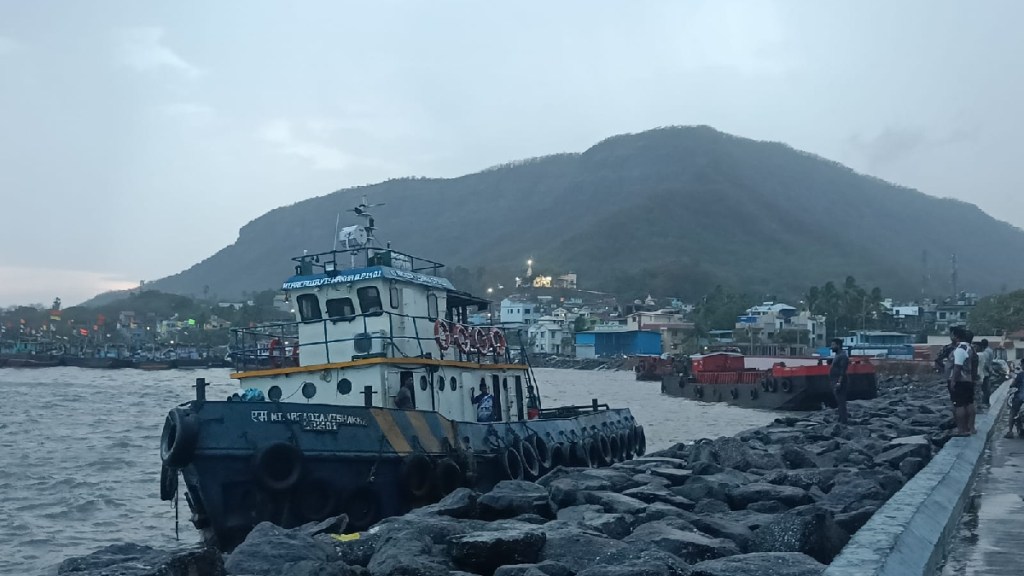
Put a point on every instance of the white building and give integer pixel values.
(519, 312)
(547, 335)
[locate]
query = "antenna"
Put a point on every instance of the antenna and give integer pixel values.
(953, 274)
(337, 222)
(363, 209)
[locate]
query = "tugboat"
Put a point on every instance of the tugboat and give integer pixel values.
(325, 426)
(724, 377)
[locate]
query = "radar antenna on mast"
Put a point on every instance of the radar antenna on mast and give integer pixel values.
(363, 209)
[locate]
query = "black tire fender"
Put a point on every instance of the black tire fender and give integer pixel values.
(531, 463)
(179, 438)
(417, 475)
(447, 476)
(278, 466)
(168, 483)
(641, 441)
(512, 464)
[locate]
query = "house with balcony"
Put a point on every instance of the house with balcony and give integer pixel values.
(777, 329)
(550, 336)
(668, 322)
(516, 311)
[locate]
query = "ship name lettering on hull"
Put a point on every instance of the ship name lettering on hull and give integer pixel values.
(314, 421)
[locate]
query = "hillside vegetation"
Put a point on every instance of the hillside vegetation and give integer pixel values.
(672, 211)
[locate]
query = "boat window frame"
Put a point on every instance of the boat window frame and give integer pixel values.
(301, 304)
(394, 295)
(341, 317)
(373, 311)
(432, 306)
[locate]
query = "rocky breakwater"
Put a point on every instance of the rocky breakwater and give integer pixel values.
(781, 500)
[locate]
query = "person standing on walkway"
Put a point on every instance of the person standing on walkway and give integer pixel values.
(837, 377)
(986, 356)
(1016, 399)
(961, 382)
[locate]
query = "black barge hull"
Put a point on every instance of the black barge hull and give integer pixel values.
(289, 463)
(800, 393)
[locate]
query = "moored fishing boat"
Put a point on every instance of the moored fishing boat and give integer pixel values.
(371, 403)
(805, 385)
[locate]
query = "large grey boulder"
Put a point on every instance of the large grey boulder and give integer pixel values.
(614, 503)
(461, 503)
(722, 528)
(541, 569)
(796, 457)
(511, 498)
(269, 548)
(407, 552)
(760, 564)
(743, 496)
(691, 547)
(135, 560)
(808, 529)
(900, 449)
(804, 478)
(484, 552)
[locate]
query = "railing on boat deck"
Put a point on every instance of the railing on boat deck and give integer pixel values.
(369, 256)
(255, 348)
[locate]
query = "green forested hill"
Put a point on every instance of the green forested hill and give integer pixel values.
(670, 211)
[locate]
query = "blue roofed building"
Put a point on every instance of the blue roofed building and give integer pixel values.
(605, 343)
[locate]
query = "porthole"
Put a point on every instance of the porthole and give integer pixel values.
(308, 390)
(344, 386)
(274, 393)
(424, 383)
(454, 383)
(440, 383)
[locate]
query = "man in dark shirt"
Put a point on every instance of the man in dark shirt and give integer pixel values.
(837, 377)
(404, 399)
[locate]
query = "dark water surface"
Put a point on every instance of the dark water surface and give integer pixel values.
(80, 463)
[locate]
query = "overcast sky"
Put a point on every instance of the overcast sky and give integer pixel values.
(137, 137)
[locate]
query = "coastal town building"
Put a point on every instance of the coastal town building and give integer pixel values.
(617, 342)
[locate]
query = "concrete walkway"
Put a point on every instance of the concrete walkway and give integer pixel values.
(990, 537)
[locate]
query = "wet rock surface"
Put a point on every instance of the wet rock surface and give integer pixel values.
(782, 499)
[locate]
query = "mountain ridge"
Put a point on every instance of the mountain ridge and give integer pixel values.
(672, 210)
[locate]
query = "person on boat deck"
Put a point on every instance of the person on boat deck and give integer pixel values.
(404, 399)
(484, 403)
(837, 376)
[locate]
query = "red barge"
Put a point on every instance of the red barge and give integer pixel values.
(724, 377)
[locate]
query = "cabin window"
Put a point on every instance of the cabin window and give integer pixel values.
(440, 383)
(424, 383)
(341, 309)
(432, 306)
(393, 293)
(369, 301)
(454, 383)
(309, 307)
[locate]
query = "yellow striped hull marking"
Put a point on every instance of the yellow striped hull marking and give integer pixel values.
(375, 361)
(391, 430)
(426, 437)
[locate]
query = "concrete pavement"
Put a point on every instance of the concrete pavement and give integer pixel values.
(990, 536)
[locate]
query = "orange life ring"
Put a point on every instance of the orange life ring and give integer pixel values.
(482, 340)
(442, 334)
(498, 340)
(460, 335)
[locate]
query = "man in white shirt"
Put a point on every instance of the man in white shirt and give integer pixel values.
(961, 382)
